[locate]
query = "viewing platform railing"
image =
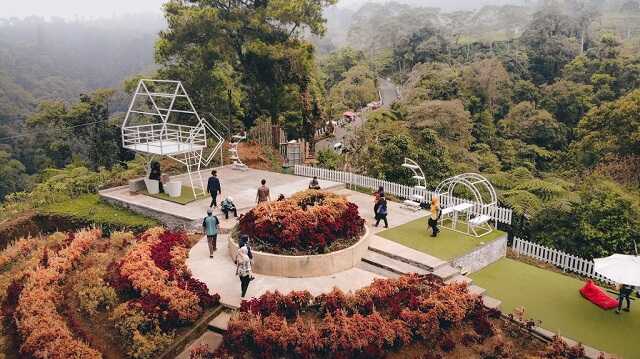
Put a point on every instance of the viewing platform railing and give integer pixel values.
(164, 138)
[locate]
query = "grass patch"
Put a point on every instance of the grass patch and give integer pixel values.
(186, 196)
(554, 299)
(90, 209)
(448, 245)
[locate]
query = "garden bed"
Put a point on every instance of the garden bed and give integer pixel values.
(409, 317)
(301, 266)
(308, 223)
(112, 297)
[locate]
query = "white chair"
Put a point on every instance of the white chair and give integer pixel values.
(174, 189)
(153, 186)
(480, 222)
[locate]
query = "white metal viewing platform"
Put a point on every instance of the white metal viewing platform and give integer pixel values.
(162, 121)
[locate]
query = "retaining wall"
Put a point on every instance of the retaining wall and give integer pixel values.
(482, 256)
(306, 266)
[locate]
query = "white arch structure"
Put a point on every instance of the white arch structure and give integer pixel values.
(478, 212)
(419, 189)
(162, 121)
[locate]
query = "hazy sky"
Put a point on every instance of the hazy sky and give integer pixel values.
(70, 9)
(81, 8)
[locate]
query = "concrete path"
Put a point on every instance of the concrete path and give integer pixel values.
(241, 185)
(218, 273)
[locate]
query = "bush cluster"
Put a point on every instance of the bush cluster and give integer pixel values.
(162, 293)
(388, 314)
(309, 221)
(44, 332)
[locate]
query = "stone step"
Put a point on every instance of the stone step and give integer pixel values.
(459, 279)
(390, 264)
(210, 339)
(474, 289)
(405, 254)
(446, 272)
(491, 302)
(220, 323)
(377, 270)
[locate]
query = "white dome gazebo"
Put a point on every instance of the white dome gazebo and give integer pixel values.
(162, 121)
(477, 212)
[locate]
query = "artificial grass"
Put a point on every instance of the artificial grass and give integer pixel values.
(186, 196)
(89, 208)
(554, 299)
(447, 245)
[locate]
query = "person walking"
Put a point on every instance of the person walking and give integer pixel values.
(213, 188)
(210, 226)
(263, 192)
(434, 216)
(244, 242)
(381, 211)
(243, 269)
(227, 206)
(376, 200)
(625, 293)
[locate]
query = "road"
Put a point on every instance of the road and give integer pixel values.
(388, 91)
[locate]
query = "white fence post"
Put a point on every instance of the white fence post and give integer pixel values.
(562, 260)
(499, 214)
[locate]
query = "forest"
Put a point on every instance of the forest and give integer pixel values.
(543, 98)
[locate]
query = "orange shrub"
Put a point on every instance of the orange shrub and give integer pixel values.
(148, 278)
(44, 331)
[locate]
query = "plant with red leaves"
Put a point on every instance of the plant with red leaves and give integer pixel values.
(309, 221)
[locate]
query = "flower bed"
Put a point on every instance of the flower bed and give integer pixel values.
(44, 332)
(310, 222)
(155, 269)
(412, 316)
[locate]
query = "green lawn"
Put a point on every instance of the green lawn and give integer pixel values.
(446, 246)
(90, 209)
(554, 299)
(186, 196)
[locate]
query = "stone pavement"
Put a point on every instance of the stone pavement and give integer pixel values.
(218, 273)
(241, 185)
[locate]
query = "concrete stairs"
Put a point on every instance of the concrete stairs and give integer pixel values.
(390, 259)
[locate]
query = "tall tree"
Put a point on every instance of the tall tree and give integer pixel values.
(252, 47)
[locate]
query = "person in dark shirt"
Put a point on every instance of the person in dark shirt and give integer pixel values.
(213, 188)
(156, 174)
(625, 293)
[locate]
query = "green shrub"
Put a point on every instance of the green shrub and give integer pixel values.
(90, 210)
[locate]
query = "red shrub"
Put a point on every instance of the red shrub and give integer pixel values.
(309, 221)
(365, 324)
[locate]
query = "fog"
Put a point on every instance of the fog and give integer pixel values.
(71, 9)
(87, 9)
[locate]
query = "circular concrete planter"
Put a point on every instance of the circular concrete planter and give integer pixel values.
(306, 266)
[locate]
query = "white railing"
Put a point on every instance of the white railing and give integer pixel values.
(500, 214)
(156, 136)
(558, 258)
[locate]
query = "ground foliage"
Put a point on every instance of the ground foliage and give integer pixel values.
(308, 222)
(412, 315)
(82, 295)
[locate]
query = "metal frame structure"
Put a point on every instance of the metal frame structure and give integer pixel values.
(235, 157)
(420, 178)
(159, 137)
(473, 182)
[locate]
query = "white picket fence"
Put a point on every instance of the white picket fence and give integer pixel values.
(500, 214)
(558, 258)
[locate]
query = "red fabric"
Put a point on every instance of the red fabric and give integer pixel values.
(597, 296)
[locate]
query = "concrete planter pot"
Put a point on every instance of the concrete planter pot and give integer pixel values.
(307, 265)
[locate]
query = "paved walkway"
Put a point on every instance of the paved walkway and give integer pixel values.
(219, 275)
(241, 185)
